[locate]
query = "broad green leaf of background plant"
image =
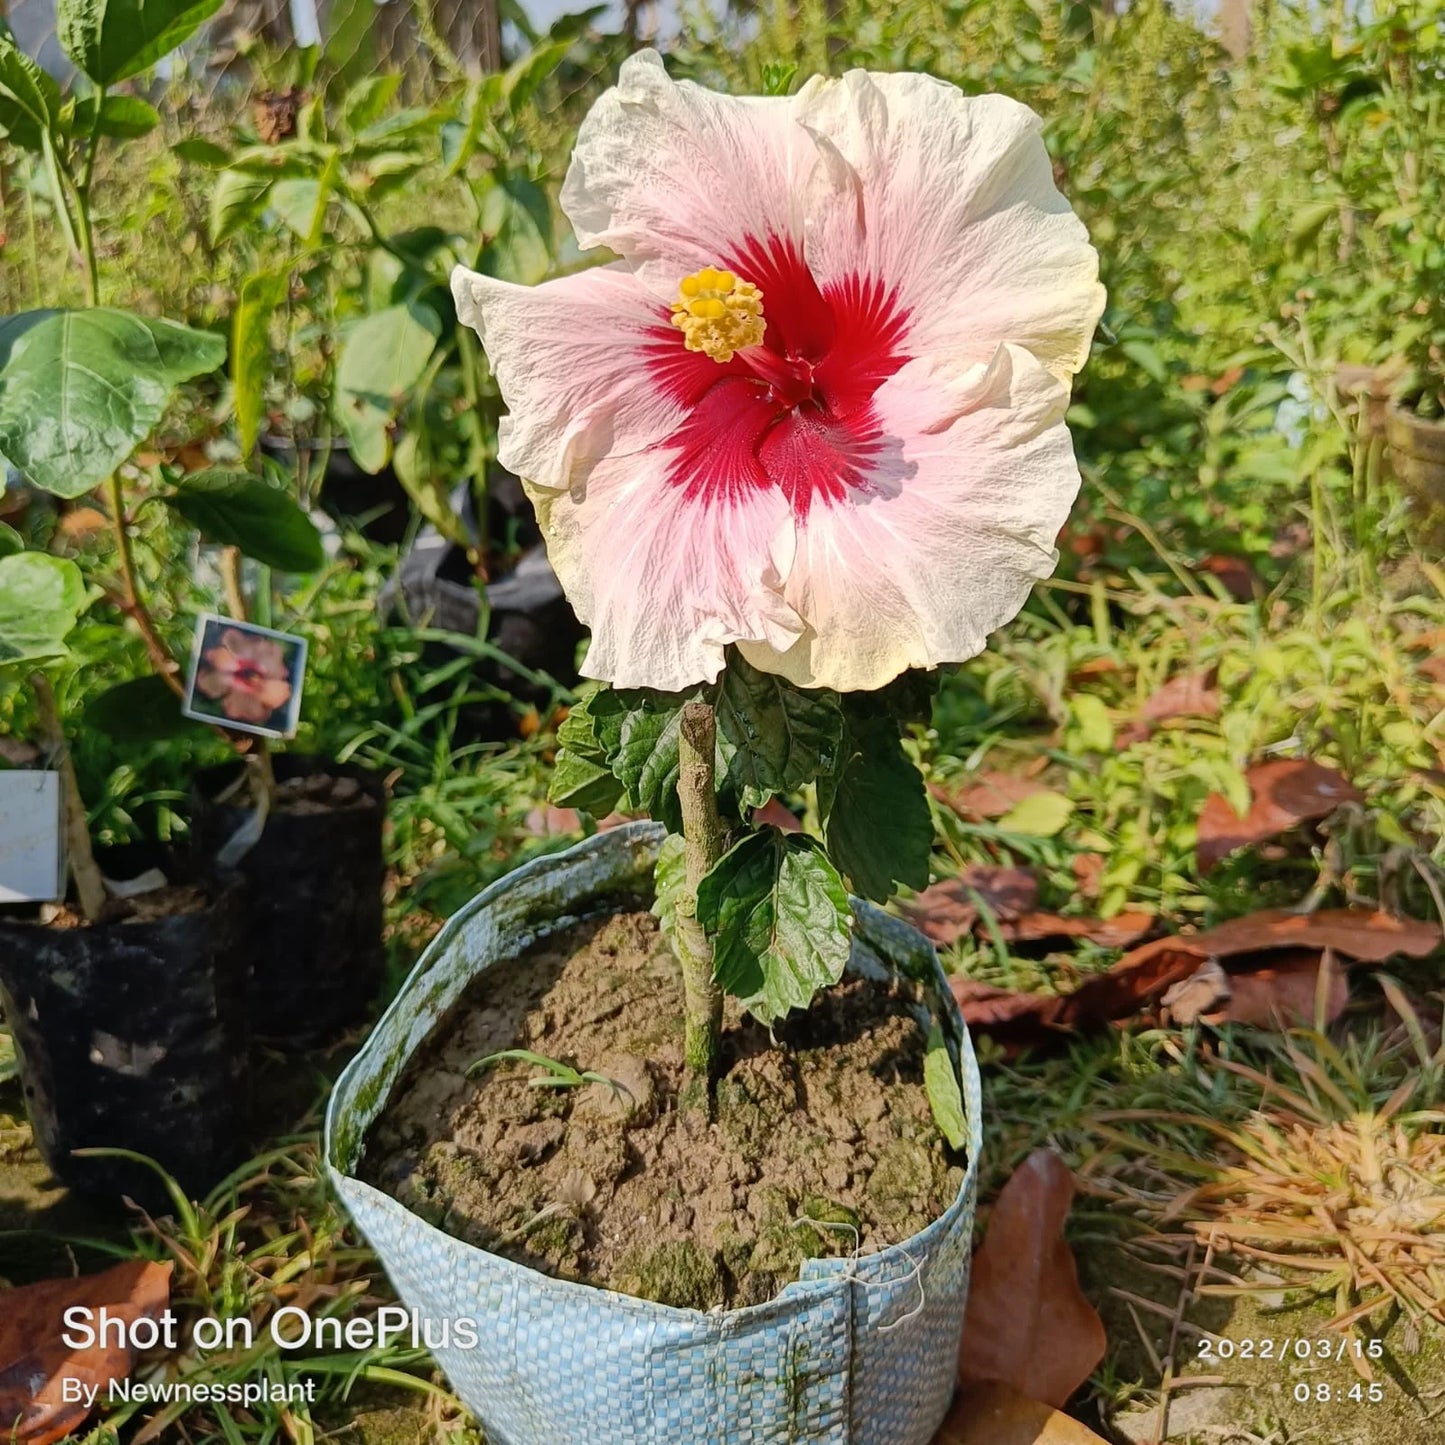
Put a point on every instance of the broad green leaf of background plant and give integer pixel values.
(40, 598)
(382, 358)
(261, 295)
(779, 918)
(945, 1098)
(236, 509)
(122, 117)
(112, 40)
(517, 222)
(79, 390)
(773, 736)
(876, 820)
(1040, 815)
(237, 199)
(10, 540)
(29, 98)
(140, 710)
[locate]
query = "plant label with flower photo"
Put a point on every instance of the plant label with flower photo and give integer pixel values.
(32, 865)
(245, 678)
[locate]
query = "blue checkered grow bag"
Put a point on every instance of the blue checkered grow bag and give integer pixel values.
(855, 1352)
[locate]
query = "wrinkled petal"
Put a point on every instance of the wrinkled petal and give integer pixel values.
(952, 199)
(673, 177)
(667, 579)
(571, 358)
(958, 522)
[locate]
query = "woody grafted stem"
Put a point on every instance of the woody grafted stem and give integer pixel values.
(703, 844)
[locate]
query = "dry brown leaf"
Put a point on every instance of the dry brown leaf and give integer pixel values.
(1120, 931)
(989, 795)
(1028, 1323)
(993, 1414)
(945, 911)
(1236, 575)
(34, 1358)
(1284, 793)
(1190, 694)
(1088, 871)
(1363, 934)
(1277, 995)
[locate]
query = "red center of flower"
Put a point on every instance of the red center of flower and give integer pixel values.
(796, 412)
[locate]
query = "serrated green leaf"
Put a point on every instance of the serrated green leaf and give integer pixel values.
(669, 876)
(112, 40)
(382, 357)
(261, 294)
(773, 736)
(877, 824)
(236, 509)
(1040, 815)
(778, 914)
(40, 598)
(577, 782)
(141, 710)
(945, 1098)
(29, 98)
(80, 390)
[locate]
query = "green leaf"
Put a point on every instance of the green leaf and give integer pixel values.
(201, 152)
(79, 390)
(111, 40)
(238, 198)
(778, 915)
(877, 824)
(772, 735)
(368, 99)
(40, 598)
(382, 358)
(261, 295)
(139, 711)
(10, 540)
(646, 760)
(669, 875)
(29, 98)
(1092, 730)
(122, 117)
(517, 224)
(1040, 815)
(945, 1098)
(529, 70)
(580, 783)
(236, 509)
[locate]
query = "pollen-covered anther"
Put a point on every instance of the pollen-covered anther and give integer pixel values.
(718, 313)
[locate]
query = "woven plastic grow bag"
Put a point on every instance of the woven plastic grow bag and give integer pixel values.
(855, 1352)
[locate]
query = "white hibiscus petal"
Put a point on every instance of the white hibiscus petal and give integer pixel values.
(666, 580)
(958, 523)
(570, 359)
(674, 177)
(954, 205)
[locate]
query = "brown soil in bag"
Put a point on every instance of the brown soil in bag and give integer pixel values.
(822, 1143)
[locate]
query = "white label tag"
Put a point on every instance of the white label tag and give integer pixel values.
(32, 868)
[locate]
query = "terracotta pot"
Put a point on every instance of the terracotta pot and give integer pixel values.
(1417, 455)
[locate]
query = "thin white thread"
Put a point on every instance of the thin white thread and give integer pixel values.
(851, 1274)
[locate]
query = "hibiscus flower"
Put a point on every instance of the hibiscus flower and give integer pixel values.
(247, 675)
(816, 408)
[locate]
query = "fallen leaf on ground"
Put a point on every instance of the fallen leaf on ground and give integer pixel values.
(947, 910)
(1028, 1323)
(989, 795)
(1088, 871)
(1265, 955)
(34, 1360)
(1284, 793)
(1120, 931)
(1190, 694)
(1235, 574)
(993, 1414)
(1279, 995)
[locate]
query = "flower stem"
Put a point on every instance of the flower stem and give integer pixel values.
(703, 840)
(89, 886)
